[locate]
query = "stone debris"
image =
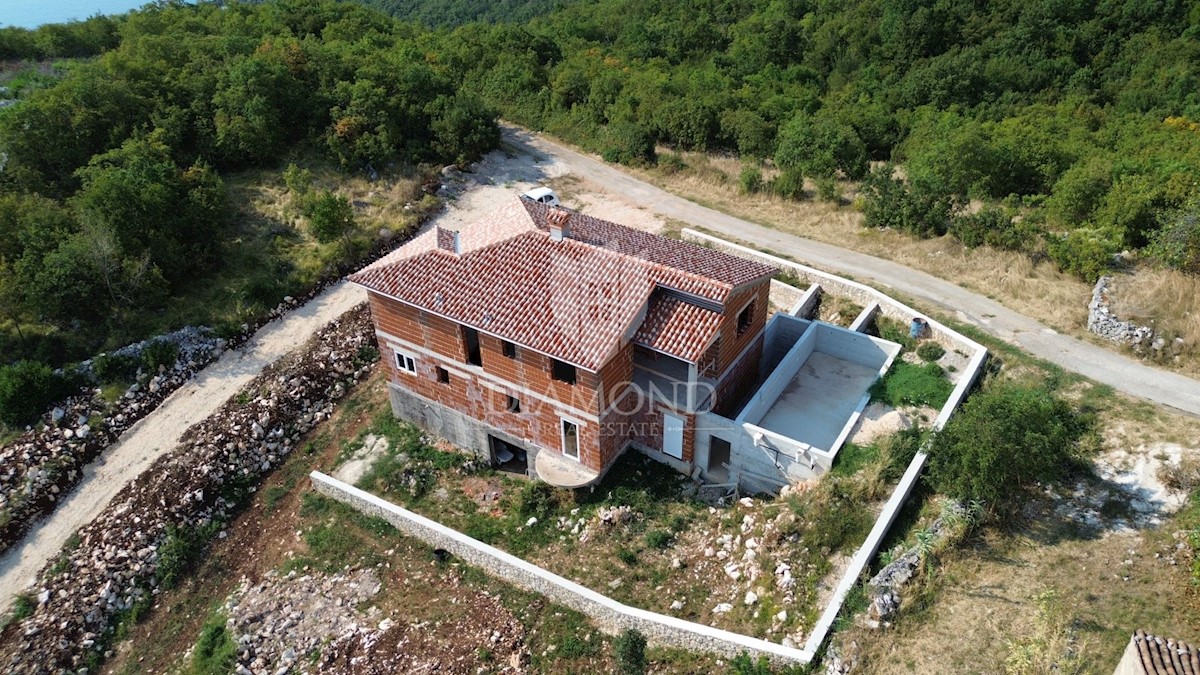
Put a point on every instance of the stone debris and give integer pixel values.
(311, 623)
(1104, 323)
(116, 564)
(48, 459)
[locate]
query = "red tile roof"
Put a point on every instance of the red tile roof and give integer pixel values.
(574, 299)
(678, 328)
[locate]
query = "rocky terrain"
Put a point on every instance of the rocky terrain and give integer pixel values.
(47, 460)
(148, 532)
(312, 623)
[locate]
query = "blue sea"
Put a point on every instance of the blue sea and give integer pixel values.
(33, 13)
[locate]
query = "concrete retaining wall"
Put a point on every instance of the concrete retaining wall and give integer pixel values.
(608, 614)
(867, 296)
(809, 305)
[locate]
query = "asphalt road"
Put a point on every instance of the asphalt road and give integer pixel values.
(1100, 364)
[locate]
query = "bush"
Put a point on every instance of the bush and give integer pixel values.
(159, 353)
(659, 539)
(750, 179)
(828, 190)
(114, 367)
(1086, 253)
(1005, 439)
(910, 384)
(215, 652)
(630, 649)
(671, 162)
(991, 226)
(27, 389)
(930, 351)
(539, 500)
(789, 184)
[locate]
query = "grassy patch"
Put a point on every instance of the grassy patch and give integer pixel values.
(910, 384)
(215, 652)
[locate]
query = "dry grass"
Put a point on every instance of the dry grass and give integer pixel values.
(1167, 299)
(1036, 290)
(985, 605)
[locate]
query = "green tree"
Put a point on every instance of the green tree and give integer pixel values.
(1004, 440)
(27, 388)
(1176, 244)
(916, 206)
(820, 147)
(331, 217)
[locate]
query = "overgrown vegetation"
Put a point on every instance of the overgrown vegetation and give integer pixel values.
(1005, 439)
(121, 171)
(910, 384)
(215, 652)
(1077, 125)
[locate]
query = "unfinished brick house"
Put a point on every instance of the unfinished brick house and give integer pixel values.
(549, 341)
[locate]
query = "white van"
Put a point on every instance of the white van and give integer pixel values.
(542, 195)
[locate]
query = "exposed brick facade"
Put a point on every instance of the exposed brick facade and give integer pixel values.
(607, 413)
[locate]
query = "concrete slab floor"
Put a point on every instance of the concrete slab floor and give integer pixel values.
(819, 400)
(561, 471)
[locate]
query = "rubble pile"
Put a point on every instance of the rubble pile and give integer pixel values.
(120, 557)
(311, 623)
(47, 461)
(1143, 339)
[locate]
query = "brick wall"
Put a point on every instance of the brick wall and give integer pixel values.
(732, 344)
(526, 377)
(739, 383)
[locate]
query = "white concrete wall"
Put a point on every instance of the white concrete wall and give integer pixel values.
(853, 346)
(608, 614)
(761, 402)
(893, 309)
(781, 333)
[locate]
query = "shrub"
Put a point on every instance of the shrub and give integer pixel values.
(27, 389)
(828, 190)
(671, 162)
(1086, 253)
(539, 500)
(297, 180)
(215, 652)
(630, 649)
(659, 539)
(930, 351)
(750, 179)
(910, 384)
(991, 226)
(628, 557)
(114, 367)
(159, 353)
(182, 551)
(1005, 439)
(789, 184)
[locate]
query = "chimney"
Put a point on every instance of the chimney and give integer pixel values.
(558, 219)
(449, 240)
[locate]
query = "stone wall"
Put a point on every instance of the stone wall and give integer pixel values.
(609, 615)
(1142, 339)
(117, 564)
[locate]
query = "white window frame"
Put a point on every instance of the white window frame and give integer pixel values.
(562, 433)
(405, 362)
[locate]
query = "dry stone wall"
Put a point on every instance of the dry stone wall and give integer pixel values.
(120, 558)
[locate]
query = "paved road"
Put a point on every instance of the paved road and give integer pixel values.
(160, 431)
(1102, 365)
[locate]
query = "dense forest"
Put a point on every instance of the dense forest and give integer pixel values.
(1076, 123)
(123, 131)
(1063, 128)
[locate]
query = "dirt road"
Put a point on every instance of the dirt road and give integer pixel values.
(161, 430)
(1120, 372)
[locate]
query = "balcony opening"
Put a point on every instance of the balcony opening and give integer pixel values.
(509, 349)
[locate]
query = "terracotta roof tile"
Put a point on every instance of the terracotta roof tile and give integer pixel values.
(1163, 656)
(574, 299)
(678, 328)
